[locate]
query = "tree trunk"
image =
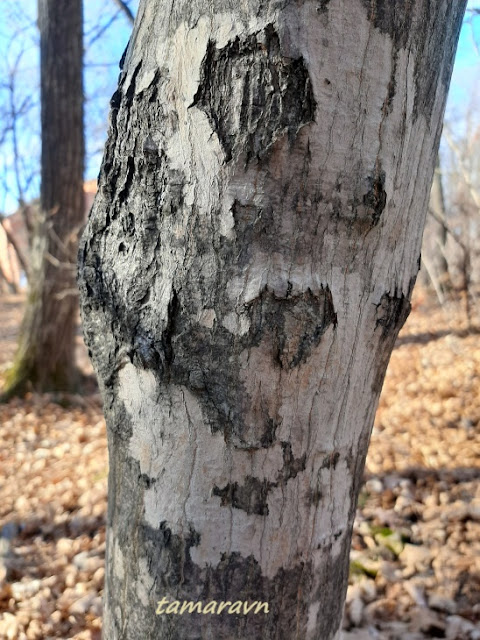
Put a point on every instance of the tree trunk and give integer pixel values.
(437, 206)
(246, 268)
(45, 356)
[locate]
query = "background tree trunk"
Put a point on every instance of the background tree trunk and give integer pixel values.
(45, 356)
(437, 204)
(244, 273)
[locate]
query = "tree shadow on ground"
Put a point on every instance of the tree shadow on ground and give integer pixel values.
(424, 338)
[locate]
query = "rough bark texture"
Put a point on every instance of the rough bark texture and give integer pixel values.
(245, 271)
(45, 357)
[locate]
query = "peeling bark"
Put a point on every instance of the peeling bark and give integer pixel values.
(246, 268)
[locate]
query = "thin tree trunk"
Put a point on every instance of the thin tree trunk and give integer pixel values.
(437, 204)
(45, 356)
(246, 268)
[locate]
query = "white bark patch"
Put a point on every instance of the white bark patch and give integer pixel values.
(227, 224)
(312, 617)
(265, 464)
(138, 387)
(172, 444)
(144, 81)
(145, 584)
(116, 556)
(207, 318)
(189, 47)
(236, 323)
(118, 562)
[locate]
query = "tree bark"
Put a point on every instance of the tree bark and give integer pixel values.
(244, 273)
(45, 356)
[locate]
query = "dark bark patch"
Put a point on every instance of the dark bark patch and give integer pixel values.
(392, 86)
(365, 205)
(156, 354)
(291, 466)
(206, 359)
(130, 169)
(294, 325)
(121, 64)
(331, 460)
(170, 552)
(150, 150)
(272, 93)
(253, 226)
(235, 578)
(119, 422)
(392, 312)
(375, 199)
(251, 497)
(146, 481)
(144, 354)
(116, 99)
(434, 60)
(323, 6)
(394, 18)
(314, 496)
(169, 331)
(334, 572)
(125, 301)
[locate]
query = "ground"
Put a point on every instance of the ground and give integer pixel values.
(415, 560)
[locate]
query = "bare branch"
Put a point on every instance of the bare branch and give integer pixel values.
(447, 229)
(101, 30)
(58, 263)
(66, 292)
(126, 10)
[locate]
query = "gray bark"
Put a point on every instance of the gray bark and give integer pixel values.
(245, 270)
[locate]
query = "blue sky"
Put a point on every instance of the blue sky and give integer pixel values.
(106, 35)
(466, 72)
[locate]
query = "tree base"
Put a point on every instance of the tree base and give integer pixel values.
(20, 381)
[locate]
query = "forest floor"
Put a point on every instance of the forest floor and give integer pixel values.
(415, 560)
